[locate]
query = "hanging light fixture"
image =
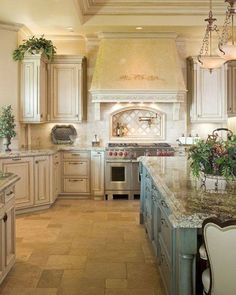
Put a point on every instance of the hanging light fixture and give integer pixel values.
(206, 59)
(227, 44)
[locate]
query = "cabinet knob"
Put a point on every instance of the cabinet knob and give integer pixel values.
(10, 193)
(5, 217)
(36, 162)
(77, 116)
(41, 115)
(230, 109)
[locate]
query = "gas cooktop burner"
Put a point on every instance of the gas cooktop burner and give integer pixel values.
(139, 145)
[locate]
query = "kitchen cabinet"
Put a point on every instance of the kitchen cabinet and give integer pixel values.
(34, 89)
(42, 180)
(7, 232)
(76, 173)
(206, 93)
(56, 176)
(67, 78)
(231, 88)
(24, 189)
(97, 173)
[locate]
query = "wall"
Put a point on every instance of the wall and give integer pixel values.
(41, 133)
(9, 77)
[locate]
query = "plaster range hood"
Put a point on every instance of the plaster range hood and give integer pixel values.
(137, 68)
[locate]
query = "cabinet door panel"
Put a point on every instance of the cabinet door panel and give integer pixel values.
(24, 188)
(2, 249)
(10, 248)
(42, 194)
(64, 87)
(97, 173)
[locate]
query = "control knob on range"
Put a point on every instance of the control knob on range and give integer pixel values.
(120, 154)
(125, 154)
(110, 153)
(115, 153)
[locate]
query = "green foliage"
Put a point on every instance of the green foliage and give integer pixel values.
(216, 158)
(7, 123)
(34, 46)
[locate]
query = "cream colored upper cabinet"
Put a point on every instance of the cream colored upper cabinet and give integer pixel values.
(24, 188)
(67, 75)
(206, 93)
(42, 180)
(34, 89)
(97, 173)
(231, 88)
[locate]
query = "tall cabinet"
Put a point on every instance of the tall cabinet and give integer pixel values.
(34, 89)
(67, 79)
(206, 93)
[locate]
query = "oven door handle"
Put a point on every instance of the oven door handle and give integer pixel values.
(118, 161)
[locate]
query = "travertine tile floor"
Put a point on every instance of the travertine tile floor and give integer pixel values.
(83, 248)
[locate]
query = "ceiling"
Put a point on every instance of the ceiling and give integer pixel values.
(79, 17)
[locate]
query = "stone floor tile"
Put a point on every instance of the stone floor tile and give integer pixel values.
(50, 278)
(28, 291)
(66, 262)
(116, 283)
(105, 270)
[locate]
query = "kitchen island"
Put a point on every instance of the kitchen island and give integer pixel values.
(173, 207)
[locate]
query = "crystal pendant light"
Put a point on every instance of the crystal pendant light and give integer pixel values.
(206, 59)
(227, 46)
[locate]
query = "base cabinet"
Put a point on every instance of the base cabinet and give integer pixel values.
(41, 176)
(55, 176)
(76, 173)
(7, 232)
(24, 189)
(97, 173)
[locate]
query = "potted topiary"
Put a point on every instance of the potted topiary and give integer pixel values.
(7, 126)
(35, 46)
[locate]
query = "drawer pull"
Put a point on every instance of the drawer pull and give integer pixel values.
(75, 155)
(16, 159)
(57, 163)
(5, 217)
(163, 203)
(10, 193)
(76, 163)
(75, 180)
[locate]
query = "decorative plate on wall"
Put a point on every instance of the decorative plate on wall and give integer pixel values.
(63, 134)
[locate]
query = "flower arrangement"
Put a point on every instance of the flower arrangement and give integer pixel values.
(213, 157)
(34, 46)
(7, 125)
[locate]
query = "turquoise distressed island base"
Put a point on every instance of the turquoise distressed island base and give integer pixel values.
(172, 210)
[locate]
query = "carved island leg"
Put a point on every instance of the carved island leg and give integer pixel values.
(186, 250)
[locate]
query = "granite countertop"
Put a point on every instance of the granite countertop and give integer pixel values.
(189, 204)
(49, 151)
(7, 179)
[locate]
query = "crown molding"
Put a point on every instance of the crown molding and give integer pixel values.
(10, 26)
(149, 7)
(64, 37)
(137, 35)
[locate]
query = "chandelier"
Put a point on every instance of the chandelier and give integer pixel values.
(205, 58)
(227, 46)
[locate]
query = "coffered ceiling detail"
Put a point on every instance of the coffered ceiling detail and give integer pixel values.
(149, 7)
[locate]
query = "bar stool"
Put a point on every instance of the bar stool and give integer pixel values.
(220, 250)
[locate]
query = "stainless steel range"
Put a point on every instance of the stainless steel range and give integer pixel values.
(121, 167)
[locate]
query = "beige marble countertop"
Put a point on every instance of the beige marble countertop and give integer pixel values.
(49, 151)
(189, 203)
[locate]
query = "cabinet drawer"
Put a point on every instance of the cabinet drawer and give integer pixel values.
(76, 185)
(166, 233)
(165, 269)
(76, 168)
(76, 155)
